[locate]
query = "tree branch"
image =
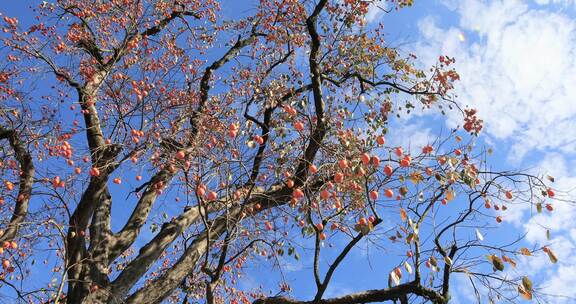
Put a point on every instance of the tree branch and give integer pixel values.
(25, 185)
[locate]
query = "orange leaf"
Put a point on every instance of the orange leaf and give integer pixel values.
(403, 215)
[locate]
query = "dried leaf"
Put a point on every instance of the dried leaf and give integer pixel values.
(525, 294)
(525, 251)
(550, 178)
(364, 229)
(448, 260)
(548, 236)
(479, 235)
(393, 279)
(409, 238)
(403, 191)
(539, 207)
(433, 261)
(450, 195)
(527, 284)
(509, 260)
(496, 262)
(408, 267)
(552, 256)
(416, 177)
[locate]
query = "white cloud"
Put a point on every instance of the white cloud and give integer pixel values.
(517, 66)
(561, 2)
(412, 136)
(375, 11)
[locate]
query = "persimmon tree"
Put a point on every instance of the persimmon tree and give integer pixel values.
(157, 148)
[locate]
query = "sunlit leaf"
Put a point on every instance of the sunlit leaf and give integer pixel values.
(509, 260)
(479, 235)
(393, 279)
(450, 195)
(408, 267)
(527, 284)
(552, 256)
(403, 214)
(525, 294)
(496, 262)
(403, 191)
(525, 251)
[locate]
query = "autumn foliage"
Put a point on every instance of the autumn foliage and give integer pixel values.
(156, 149)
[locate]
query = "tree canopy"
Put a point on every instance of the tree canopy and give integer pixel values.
(154, 150)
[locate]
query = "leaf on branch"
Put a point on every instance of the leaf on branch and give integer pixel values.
(525, 294)
(552, 256)
(509, 260)
(393, 279)
(525, 251)
(496, 262)
(364, 229)
(479, 235)
(408, 267)
(448, 260)
(550, 178)
(410, 238)
(527, 284)
(403, 214)
(450, 195)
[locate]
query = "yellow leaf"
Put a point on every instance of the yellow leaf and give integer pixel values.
(408, 267)
(525, 251)
(450, 195)
(416, 177)
(525, 294)
(527, 284)
(393, 279)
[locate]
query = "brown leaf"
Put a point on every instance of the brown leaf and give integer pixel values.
(496, 262)
(552, 256)
(525, 294)
(525, 251)
(433, 261)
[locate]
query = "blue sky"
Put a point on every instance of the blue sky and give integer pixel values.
(517, 65)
